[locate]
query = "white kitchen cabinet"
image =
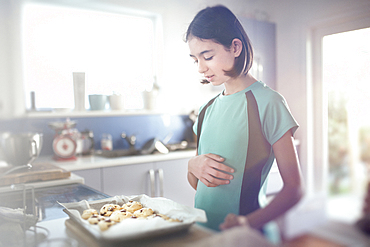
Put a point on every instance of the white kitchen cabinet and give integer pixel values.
(127, 179)
(92, 177)
(174, 184)
(162, 178)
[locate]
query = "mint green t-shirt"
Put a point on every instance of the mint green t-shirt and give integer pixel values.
(241, 128)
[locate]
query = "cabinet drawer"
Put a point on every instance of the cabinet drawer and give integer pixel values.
(127, 180)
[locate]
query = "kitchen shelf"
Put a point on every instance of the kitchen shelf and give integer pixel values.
(106, 113)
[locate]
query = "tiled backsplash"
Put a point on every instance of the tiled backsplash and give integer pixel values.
(144, 127)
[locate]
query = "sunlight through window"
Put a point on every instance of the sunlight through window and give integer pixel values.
(346, 66)
(115, 51)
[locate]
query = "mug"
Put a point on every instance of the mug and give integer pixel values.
(116, 102)
(97, 102)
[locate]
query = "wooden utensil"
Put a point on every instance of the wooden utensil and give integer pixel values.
(38, 172)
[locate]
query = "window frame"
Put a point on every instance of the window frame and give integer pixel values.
(318, 172)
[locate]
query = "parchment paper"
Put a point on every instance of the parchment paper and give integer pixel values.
(130, 229)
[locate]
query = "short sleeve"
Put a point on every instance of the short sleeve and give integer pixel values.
(277, 119)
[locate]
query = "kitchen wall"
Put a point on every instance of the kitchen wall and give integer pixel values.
(175, 128)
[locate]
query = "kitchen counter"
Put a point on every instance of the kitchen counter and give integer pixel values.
(59, 226)
(54, 224)
(64, 228)
(73, 179)
(94, 161)
(198, 236)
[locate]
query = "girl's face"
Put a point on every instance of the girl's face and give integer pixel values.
(213, 59)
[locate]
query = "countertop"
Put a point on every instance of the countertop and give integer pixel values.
(73, 179)
(198, 236)
(64, 228)
(58, 225)
(94, 161)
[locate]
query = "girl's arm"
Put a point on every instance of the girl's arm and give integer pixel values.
(208, 168)
(290, 194)
(193, 180)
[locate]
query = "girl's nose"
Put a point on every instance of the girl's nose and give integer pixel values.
(202, 67)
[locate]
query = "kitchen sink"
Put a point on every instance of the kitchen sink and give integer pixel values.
(153, 146)
(133, 152)
(117, 153)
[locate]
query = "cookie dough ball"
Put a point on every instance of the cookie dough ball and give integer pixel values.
(108, 209)
(173, 220)
(143, 213)
(105, 224)
(95, 219)
(120, 215)
(88, 213)
(165, 217)
(132, 206)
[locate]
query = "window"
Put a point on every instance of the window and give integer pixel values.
(346, 66)
(114, 50)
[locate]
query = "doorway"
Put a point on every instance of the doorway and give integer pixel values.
(346, 78)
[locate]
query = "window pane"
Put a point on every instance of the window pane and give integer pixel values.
(346, 66)
(115, 51)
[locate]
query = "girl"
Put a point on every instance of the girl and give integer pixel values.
(240, 132)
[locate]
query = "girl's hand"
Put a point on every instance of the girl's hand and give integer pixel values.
(210, 170)
(233, 220)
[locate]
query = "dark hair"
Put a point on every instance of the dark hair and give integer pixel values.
(219, 24)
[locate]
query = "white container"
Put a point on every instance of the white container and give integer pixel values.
(116, 102)
(149, 100)
(79, 90)
(106, 142)
(97, 102)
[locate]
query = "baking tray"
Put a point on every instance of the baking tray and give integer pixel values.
(131, 230)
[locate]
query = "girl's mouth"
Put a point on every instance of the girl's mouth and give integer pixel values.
(209, 78)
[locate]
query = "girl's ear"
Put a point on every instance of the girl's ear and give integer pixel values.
(236, 47)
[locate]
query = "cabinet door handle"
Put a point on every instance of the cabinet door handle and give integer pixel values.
(152, 182)
(160, 175)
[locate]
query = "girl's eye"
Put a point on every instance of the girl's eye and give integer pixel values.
(208, 58)
(195, 61)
